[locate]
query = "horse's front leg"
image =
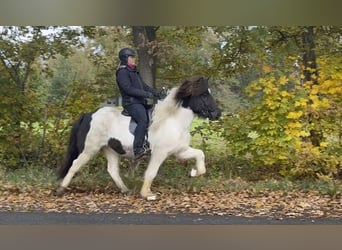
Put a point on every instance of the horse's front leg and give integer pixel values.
(192, 153)
(156, 160)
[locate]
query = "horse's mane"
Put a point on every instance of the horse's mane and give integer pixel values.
(191, 87)
(165, 108)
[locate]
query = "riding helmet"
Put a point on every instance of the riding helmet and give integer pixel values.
(125, 53)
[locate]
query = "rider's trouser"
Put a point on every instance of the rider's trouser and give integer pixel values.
(139, 113)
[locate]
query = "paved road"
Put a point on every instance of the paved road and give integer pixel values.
(39, 230)
(43, 218)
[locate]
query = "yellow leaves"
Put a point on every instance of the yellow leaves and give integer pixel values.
(270, 103)
(307, 151)
(301, 103)
(266, 68)
(288, 138)
(287, 108)
(325, 178)
(284, 94)
(318, 102)
(298, 133)
(315, 151)
(282, 157)
(303, 133)
(271, 119)
(314, 90)
(325, 103)
(292, 58)
(334, 91)
(298, 145)
(254, 88)
(283, 80)
(312, 70)
(295, 130)
(294, 125)
(331, 87)
(294, 115)
(315, 101)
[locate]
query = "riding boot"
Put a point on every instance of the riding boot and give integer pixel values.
(140, 152)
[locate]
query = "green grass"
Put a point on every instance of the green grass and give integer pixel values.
(32, 176)
(173, 175)
(223, 174)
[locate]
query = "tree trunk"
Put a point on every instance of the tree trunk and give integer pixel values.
(145, 40)
(309, 57)
(311, 74)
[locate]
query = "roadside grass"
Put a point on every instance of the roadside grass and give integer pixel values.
(173, 176)
(223, 174)
(22, 178)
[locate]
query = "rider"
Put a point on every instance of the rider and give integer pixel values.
(134, 92)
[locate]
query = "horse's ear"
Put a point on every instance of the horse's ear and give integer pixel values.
(194, 86)
(200, 86)
(184, 90)
(187, 88)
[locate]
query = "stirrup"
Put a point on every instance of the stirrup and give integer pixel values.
(146, 145)
(143, 152)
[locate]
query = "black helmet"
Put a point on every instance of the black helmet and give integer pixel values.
(125, 53)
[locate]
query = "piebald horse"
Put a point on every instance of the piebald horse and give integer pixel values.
(107, 129)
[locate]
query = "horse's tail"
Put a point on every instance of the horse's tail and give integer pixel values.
(76, 143)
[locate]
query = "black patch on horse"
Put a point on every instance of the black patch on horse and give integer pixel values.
(83, 130)
(194, 94)
(116, 146)
(77, 138)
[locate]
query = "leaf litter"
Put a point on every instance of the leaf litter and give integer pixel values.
(275, 204)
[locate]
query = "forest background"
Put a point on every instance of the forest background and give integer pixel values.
(279, 88)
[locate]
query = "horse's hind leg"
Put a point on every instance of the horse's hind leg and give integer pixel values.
(81, 160)
(198, 154)
(113, 169)
(156, 160)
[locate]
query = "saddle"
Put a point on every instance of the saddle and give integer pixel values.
(133, 124)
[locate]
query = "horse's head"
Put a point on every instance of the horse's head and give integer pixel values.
(194, 93)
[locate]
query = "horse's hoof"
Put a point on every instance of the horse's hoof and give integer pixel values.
(152, 197)
(193, 173)
(149, 196)
(126, 191)
(60, 191)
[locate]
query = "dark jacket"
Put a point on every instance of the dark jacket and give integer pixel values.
(132, 88)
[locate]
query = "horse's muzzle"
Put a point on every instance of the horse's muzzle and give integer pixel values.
(215, 115)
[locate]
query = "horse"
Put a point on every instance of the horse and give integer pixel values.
(107, 130)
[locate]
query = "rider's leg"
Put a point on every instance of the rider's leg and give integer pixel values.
(139, 114)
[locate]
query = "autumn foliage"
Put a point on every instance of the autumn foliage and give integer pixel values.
(277, 122)
(276, 129)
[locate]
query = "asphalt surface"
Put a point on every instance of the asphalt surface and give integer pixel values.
(52, 218)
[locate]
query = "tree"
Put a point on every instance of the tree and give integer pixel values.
(144, 38)
(23, 53)
(310, 70)
(295, 94)
(103, 52)
(306, 39)
(185, 51)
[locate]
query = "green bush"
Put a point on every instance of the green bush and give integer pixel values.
(279, 130)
